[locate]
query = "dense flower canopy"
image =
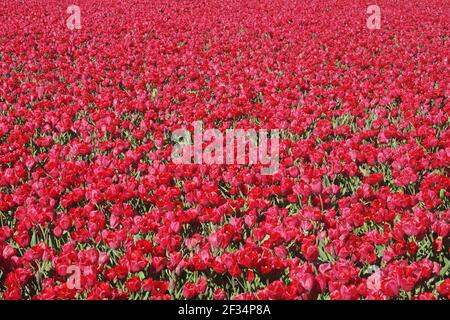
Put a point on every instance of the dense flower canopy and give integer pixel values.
(360, 205)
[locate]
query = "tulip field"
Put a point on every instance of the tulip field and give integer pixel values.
(96, 204)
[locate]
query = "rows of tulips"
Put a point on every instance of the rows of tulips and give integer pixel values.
(360, 205)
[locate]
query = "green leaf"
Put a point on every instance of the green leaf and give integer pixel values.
(446, 267)
(33, 239)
